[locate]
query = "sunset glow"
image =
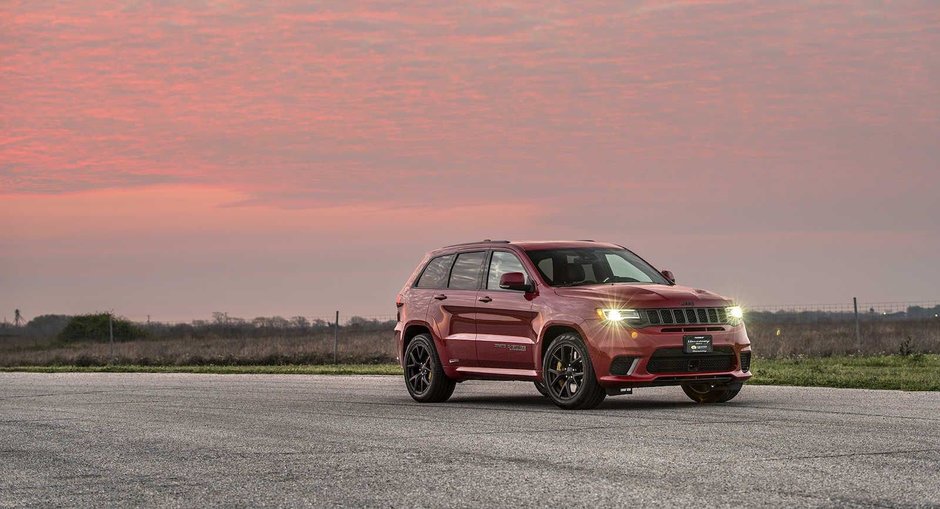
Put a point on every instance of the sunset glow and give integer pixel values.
(174, 159)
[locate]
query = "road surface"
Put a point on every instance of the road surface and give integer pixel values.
(192, 440)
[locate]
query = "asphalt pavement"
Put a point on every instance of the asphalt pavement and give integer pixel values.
(83, 440)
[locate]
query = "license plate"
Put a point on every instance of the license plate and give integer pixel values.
(697, 344)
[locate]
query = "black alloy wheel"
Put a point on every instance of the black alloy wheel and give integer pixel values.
(568, 375)
(565, 372)
(424, 377)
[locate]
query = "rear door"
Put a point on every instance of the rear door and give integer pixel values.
(505, 334)
(432, 280)
(453, 308)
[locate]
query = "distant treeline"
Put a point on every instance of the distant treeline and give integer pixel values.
(789, 316)
(96, 327)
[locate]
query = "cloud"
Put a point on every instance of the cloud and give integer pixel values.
(202, 125)
(283, 100)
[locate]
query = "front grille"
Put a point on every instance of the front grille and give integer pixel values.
(745, 361)
(673, 360)
(682, 316)
(621, 365)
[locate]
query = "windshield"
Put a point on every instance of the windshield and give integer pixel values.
(592, 266)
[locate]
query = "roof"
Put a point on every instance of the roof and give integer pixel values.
(562, 244)
(531, 245)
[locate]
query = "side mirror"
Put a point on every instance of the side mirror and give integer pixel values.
(514, 281)
(668, 275)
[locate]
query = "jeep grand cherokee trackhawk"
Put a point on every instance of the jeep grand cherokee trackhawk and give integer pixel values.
(582, 320)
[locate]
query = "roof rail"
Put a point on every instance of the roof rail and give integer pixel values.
(484, 241)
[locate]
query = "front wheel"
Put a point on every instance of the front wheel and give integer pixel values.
(708, 393)
(540, 386)
(568, 375)
(424, 376)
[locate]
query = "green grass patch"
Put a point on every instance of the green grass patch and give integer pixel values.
(910, 373)
(289, 369)
(916, 372)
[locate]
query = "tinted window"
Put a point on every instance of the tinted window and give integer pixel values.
(501, 263)
(435, 274)
(545, 267)
(587, 266)
(466, 272)
(624, 271)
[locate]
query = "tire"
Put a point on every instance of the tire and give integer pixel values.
(540, 386)
(424, 376)
(568, 375)
(707, 393)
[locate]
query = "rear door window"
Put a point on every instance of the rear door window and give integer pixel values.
(467, 271)
(435, 274)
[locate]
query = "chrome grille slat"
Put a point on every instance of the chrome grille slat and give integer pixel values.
(679, 315)
(712, 315)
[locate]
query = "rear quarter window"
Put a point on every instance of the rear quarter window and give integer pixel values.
(436, 272)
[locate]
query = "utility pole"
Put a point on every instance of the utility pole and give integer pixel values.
(111, 333)
(858, 334)
(335, 336)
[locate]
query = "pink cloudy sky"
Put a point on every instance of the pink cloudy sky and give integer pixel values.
(179, 158)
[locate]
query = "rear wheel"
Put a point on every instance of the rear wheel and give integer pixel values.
(424, 376)
(568, 375)
(709, 393)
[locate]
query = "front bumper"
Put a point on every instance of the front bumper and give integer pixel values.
(627, 357)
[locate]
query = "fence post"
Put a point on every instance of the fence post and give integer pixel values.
(335, 336)
(111, 333)
(858, 335)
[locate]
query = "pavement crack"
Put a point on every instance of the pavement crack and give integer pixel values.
(844, 455)
(833, 412)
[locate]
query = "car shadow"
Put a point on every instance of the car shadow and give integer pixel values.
(625, 402)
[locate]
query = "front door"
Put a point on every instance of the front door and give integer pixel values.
(505, 336)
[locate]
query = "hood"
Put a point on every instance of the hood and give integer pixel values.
(645, 296)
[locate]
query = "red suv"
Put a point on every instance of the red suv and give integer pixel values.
(581, 319)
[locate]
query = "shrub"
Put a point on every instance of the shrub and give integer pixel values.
(94, 327)
(47, 326)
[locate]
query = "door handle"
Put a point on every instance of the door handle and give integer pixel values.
(440, 296)
(484, 299)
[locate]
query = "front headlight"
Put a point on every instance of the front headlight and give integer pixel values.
(735, 314)
(618, 315)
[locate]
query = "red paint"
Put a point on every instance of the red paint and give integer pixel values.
(499, 334)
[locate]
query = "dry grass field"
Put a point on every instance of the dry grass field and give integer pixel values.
(788, 340)
(316, 348)
(777, 341)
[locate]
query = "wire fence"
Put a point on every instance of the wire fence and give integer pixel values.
(866, 311)
(846, 307)
(894, 310)
(904, 327)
